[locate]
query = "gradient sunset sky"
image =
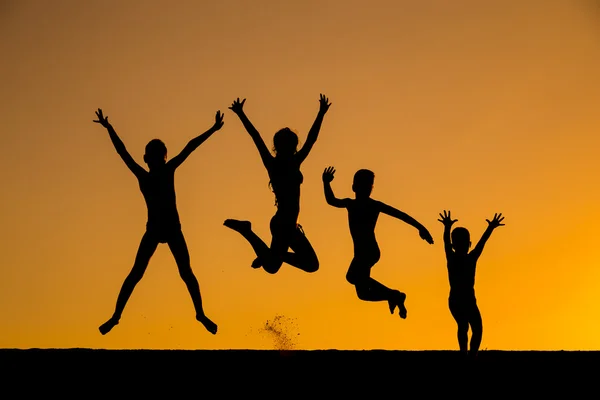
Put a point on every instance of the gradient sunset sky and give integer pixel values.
(471, 106)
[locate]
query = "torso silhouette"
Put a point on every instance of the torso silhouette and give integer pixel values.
(461, 274)
(362, 218)
(286, 178)
(158, 188)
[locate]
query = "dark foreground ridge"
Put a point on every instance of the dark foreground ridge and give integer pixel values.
(272, 373)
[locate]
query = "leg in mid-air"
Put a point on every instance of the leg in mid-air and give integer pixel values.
(146, 250)
(476, 324)
(283, 238)
(284, 234)
(368, 289)
(303, 256)
(181, 254)
(261, 249)
(458, 311)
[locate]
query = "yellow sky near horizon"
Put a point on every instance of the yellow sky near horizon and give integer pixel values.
(476, 107)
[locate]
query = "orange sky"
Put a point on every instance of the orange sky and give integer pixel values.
(477, 107)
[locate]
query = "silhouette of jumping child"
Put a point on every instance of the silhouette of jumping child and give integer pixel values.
(285, 180)
(461, 273)
(163, 226)
(363, 212)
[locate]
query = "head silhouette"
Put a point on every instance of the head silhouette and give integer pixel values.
(156, 154)
(461, 240)
(363, 182)
(285, 142)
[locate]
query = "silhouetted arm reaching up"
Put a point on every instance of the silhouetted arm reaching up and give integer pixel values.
(402, 216)
(314, 130)
(493, 224)
(134, 167)
(238, 108)
(329, 196)
(448, 222)
(195, 142)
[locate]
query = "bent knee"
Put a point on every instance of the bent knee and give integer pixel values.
(272, 266)
(357, 279)
(362, 290)
(352, 279)
(311, 265)
(271, 270)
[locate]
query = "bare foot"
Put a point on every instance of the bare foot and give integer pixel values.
(392, 303)
(256, 263)
(397, 300)
(108, 325)
(208, 324)
(237, 225)
(402, 309)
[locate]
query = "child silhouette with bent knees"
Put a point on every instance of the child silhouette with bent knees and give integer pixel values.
(163, 226)
(286, 178)
(461, 266)
(363, 212)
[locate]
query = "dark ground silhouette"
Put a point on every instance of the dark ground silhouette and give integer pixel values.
(163, 226)
(462, 264)
(363, 212)
(285, 180)
(84, 373)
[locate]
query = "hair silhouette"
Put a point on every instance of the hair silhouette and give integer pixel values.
(285, 180)
(163, 226)
(363, 212)
(461, 266)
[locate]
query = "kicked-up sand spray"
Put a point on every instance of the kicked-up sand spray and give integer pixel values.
(283, 331)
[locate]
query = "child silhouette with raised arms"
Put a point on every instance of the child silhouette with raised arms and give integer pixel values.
(363, 212)
(163, 226)
(461, 266)
(285, 180)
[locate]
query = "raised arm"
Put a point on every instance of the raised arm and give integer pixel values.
(402, 216)
(314, 130)
(195, 142)
(329, 196)
(493, 224)
(238, 108)
(448, 222)
(134, 167)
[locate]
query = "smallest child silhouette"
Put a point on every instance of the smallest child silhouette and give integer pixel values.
(461, 266)
(363, 212)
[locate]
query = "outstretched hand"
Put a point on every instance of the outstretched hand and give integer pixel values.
(446, 219)
(425, 235)
(497, 221)
(102, 120)
(238, 106)
(218, 121)
(323, 104)
(328, 174)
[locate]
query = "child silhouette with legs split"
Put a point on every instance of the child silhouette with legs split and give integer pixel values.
(163, 226)
(286, 178)
(461, 266)
(363, 212)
